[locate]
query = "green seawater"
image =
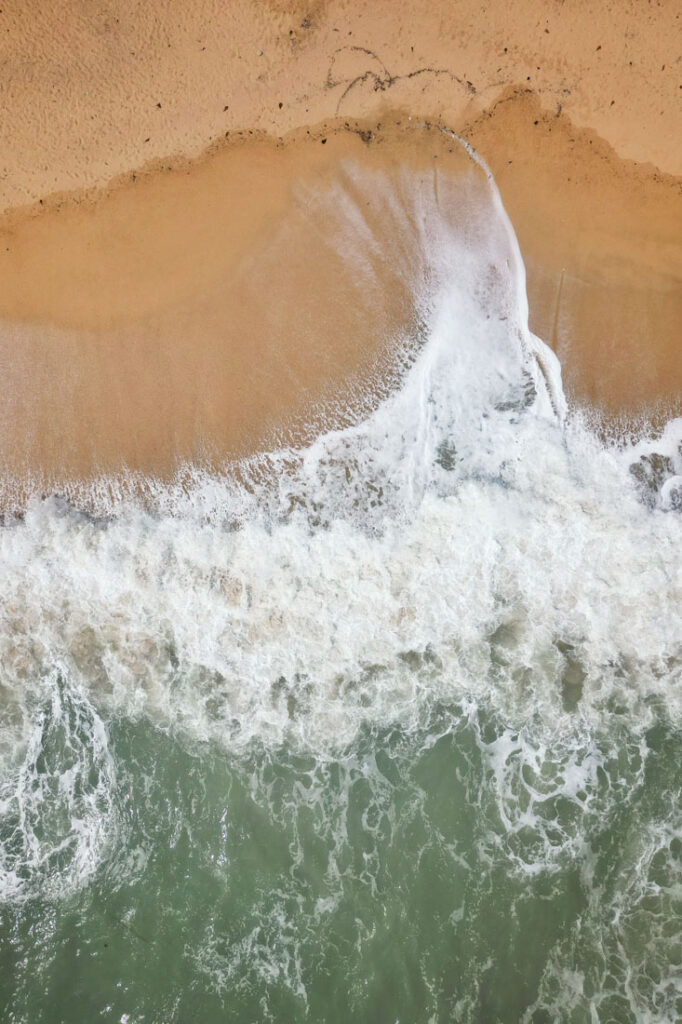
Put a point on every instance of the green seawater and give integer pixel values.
(452, 872)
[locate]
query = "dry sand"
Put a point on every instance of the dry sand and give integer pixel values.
(132, 327)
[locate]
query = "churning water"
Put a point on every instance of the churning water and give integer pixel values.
(384, 728)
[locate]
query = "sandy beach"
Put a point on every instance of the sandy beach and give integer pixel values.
(340, 507)
(152, 174)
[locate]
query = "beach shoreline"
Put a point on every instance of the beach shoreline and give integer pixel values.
(113, 339)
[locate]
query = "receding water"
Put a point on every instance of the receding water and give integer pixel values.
(382, 729)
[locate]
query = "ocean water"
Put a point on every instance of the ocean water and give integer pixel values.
(382, 728)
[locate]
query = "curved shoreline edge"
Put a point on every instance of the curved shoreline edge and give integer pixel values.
(600, 234)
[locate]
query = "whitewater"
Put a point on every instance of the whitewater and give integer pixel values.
(384, 726)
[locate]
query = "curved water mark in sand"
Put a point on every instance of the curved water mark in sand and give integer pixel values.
(383, 79)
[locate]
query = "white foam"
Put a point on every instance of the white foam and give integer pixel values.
(56, 794)
(467, 541)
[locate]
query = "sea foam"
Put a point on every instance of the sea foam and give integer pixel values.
(468, 542)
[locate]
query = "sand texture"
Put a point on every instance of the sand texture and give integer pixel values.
(153, 160)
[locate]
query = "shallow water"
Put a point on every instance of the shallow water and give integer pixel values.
(386, 728)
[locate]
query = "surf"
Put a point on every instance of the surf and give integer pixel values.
(465, 566)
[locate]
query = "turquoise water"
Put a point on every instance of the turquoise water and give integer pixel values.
(382, 729)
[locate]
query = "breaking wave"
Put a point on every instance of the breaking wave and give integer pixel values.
(468, 570)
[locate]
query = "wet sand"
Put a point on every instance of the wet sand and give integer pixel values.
(149, 191)
(601, 238)
(204, 312)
